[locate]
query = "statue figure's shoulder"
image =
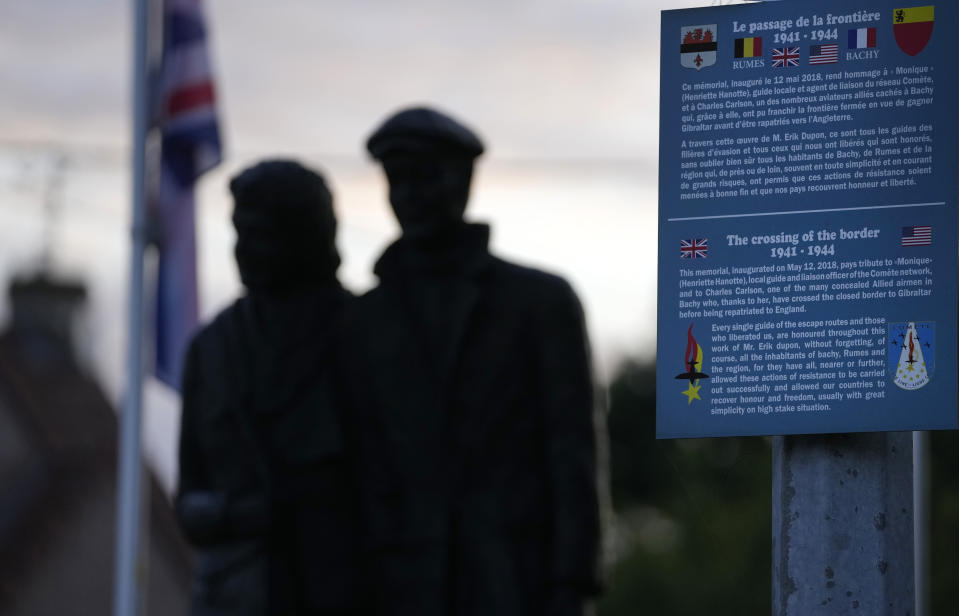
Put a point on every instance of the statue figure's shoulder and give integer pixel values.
(210, 336)
(213, 348)
(530, 285)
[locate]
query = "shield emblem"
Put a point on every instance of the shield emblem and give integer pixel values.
(912, 356)
(912, 27)
(697, 48)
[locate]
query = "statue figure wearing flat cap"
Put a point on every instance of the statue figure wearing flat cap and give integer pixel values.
(265, 488)
(469, 389)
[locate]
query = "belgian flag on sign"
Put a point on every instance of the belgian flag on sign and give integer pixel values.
(912, 27)
(749, 47)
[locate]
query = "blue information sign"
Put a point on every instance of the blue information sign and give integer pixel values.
(808, 219)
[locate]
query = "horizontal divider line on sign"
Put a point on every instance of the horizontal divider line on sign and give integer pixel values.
(837, 209)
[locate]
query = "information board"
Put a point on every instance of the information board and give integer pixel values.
(807, 219)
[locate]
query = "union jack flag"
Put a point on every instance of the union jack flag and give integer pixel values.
(190, 145)
(784, 57)
(693, 249)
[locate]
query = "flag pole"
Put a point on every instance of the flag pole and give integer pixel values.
(129, 568)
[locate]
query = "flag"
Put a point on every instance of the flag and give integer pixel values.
(823, 54)
(912, 27)
(861, 38)
(751, 47)
(784, 57)
(693, 249)
(917, 236)
(190, 145)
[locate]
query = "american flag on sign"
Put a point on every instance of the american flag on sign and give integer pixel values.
(693, 249)
(190, 144)
(784, 57)
(920, 235)
(823, 54)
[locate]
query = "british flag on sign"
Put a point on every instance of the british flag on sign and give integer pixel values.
(784, 57)
(693, 249)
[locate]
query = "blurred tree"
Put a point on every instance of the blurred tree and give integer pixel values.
(944, 506)
(693, 516)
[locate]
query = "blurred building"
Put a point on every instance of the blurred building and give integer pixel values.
(58, 452)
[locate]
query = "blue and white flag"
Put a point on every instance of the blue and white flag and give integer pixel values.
(190, 147)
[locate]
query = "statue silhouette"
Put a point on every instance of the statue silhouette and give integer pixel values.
(265, 489)
(471, 403)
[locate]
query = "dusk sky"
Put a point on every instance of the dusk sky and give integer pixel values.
(564, 93)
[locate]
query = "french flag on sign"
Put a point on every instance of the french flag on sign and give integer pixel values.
(862, 38)
(190, 146)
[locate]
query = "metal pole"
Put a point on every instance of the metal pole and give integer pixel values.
(128, 564)
(843, 525)
(920, 454)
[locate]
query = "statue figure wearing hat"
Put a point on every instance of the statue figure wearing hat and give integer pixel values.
(470, 395)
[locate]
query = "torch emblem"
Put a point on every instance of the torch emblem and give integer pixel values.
(693, 365)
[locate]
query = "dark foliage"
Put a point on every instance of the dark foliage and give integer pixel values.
(944, 511)
(693, 531)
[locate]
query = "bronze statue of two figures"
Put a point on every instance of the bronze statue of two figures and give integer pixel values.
(427, 449)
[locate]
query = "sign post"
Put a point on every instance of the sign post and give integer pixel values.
(843, 524)
(808, 223)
